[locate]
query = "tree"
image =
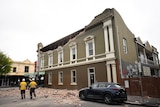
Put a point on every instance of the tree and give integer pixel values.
(5, 64)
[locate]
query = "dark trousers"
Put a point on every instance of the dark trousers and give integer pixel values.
(32, 91)
(22, 94)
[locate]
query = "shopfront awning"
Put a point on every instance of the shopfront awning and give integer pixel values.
(40, 73)
(29, 74)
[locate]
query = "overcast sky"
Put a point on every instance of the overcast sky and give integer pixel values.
(25, 23)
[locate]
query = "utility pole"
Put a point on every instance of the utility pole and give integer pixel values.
(139, 71)
(140, 79)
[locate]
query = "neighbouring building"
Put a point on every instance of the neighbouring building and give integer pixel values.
(20, 69)
(104, 50)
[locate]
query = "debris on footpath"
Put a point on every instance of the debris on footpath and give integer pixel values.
(60, 96)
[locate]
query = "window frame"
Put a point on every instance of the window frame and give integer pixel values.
(90, 49)
(49, 78)
(60, 78)
(50, 59)
(73, 77)
(26, 69)
(73, 53)
(42, 61)
(60, 55)
(14, 69)
(90, 39)
(73, 46)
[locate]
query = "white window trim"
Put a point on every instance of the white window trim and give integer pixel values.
(42, 61)
(60, 50)
(73, 46)
(59, 78)
(50, 58)
(50, 78)
(90, 39)
(73, 83)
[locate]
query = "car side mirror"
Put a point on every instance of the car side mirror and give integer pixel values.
(90, 87)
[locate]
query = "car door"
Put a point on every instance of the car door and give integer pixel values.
(99, 91)
(91, 93)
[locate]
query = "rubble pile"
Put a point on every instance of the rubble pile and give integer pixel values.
(59, 96)
(10, 92)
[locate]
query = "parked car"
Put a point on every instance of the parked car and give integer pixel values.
(108, 92)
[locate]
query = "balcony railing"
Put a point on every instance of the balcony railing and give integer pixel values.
(147, 61)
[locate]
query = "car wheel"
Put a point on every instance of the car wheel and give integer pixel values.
(82, 96)
(107, 99)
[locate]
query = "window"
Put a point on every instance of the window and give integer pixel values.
(60, 55)
(73, 52)
(42, 61)
(50, 78)
(125, 46)
(95, 85)
(73, 77)
(101, 85)
(26, 69)
(50, 59)
(14, 69)
(90, 46)
(156, 59)
(60, 78)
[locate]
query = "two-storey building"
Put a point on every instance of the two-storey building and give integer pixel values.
(104, 50)
(20, 69)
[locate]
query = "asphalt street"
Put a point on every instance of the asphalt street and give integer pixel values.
(46, 97)
(49, 102)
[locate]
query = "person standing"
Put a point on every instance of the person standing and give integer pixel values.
(32, 86)
(22, 87)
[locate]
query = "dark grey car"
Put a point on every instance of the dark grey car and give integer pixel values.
(108, 92)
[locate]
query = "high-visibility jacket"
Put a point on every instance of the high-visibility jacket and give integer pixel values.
(23, 85)
(33, 84)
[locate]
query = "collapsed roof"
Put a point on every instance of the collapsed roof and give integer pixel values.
(107, 13)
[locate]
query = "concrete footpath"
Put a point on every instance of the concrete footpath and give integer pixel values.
(143, 101)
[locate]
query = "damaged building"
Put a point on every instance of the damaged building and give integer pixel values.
(104, 50)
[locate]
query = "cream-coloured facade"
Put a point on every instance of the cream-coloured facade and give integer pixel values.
(22, 68)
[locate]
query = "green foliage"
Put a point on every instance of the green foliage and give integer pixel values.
(5, 64)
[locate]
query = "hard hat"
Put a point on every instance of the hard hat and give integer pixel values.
(23, 79)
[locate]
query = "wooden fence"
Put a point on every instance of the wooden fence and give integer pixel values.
(145, 86)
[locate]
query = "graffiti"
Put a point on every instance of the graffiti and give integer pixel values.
(132, 70)
(129, 70)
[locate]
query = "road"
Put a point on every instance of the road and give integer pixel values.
(49, 102)
(47, 97)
